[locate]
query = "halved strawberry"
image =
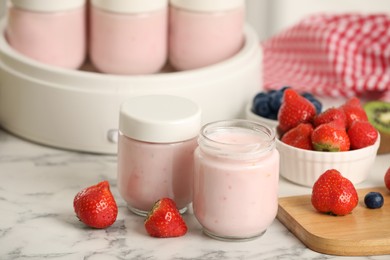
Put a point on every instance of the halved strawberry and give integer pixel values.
(95, 206)
(164, 220)
(334, 194)
(294, 110)
(299, 136)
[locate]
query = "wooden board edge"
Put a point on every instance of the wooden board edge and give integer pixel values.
(324, 245)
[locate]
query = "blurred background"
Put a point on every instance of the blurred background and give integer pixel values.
(270, 16)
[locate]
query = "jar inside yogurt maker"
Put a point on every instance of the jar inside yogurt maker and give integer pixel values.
(51, 32)
(204, 32)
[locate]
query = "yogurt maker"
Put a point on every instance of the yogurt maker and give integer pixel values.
(79, 109)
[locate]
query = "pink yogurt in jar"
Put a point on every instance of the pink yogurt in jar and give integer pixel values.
(236, 179)
(157, 139)
(128, 36)
(52, 32)
(204, 32)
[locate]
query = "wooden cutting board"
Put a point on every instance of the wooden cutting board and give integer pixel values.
(364, 232)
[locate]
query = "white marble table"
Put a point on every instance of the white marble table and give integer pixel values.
(37, 187)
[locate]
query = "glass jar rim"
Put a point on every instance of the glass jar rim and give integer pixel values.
(237, 150)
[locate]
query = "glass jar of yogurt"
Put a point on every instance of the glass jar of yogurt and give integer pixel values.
(204, 32)
(157, 139)
(236, 179)
(51, 32)
(128, 37)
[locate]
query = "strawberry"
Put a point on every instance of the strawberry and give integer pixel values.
(95, 206)
(294, 110)
(330, 137)
(164, 220)
(330, 115)
(334, 194)
(354, 111)
(362, 134)
(299, 136)
(387, 179)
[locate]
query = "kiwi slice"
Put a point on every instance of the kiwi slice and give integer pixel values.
(378, 114)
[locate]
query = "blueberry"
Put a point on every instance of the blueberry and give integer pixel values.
(308, 96)
(275, 100)
(317, 104)
(284, 88)
(262, 108)
(373, 200)
(260, 96)
(273, 116)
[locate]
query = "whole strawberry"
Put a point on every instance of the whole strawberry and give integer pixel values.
(329, 115)
(387, 179)
(95, 206)
(334, 194)
(330, 137)
(354, 111)
(362, 134)
(294, 110)
(299, 136)
(164, 220)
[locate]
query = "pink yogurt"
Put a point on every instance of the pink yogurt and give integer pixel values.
(148, 172)
(52, 35)
(157, 139)
(205, 33)
(236, 179)
(127, 40)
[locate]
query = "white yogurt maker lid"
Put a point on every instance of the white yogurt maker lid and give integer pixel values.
(207, 5)
(160, 118)
(48, 5)
(130, 6)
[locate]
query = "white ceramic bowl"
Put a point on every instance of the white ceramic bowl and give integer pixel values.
(79, 110)
(304, 167)
(250, 115)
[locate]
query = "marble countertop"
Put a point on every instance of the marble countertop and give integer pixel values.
(37, 187)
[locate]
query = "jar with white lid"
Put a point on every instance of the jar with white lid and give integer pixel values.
(236, 179)
(204, 32)
(128, 37)
(157, 139)
(52, 32)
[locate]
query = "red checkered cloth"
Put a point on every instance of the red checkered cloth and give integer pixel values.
(332, 55)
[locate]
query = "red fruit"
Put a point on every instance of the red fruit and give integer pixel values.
(331, 137)
(362, 134)
(294, 110)
(299, 136)
(164, 220)
(354, 111)
(329, 115)
(95, 206)
(334, 194)
(387, 179)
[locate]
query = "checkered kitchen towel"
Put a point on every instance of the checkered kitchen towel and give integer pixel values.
(332, 55)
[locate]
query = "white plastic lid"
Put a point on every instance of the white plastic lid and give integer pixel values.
(48, 5)
(207, 5)
(160, 119)
(130, 6)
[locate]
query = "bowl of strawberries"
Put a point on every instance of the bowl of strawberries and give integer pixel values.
(338, 138)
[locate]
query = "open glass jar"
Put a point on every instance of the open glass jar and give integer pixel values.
(236, 179)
